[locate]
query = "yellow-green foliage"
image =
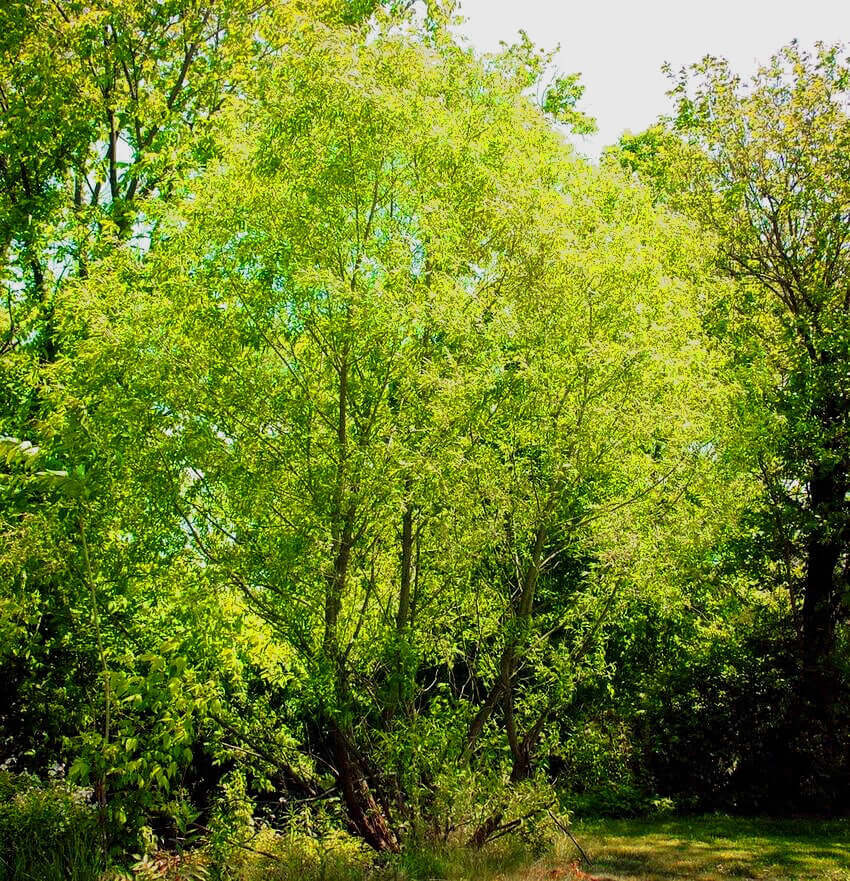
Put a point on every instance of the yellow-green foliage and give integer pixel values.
(335, 857)
(340, 857)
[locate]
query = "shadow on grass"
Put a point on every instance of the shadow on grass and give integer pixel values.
(716, 848)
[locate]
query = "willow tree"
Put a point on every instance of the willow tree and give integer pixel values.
(283, 349)
(396, 332)
(105, 109)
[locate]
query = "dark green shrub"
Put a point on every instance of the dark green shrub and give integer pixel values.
(616, 799)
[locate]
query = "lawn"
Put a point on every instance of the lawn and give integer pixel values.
(713, 848)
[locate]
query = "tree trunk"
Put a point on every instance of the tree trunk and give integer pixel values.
(827, 492)
(343, 528)
(520, 749)
(502, 690)
(507, 664)
(819, 750)
(403, 614)
(479, 838)
(336, 582)
(364, 812)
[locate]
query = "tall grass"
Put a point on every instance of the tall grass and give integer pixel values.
(342, 858)
(47, 833)
(76, 855)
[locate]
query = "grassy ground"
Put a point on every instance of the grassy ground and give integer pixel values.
(709, 848)
(712, 848)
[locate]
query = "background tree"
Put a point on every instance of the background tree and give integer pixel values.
(765, 169)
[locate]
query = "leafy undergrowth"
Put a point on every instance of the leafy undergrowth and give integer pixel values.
(343, 858)
(716, 848)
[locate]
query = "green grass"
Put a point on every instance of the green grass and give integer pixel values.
(708, 848)
(76, 855)
(715, 848)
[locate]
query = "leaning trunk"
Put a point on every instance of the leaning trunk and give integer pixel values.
(502, 690)
(366, 815)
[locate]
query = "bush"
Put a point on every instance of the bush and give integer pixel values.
(165, 866)
(48, 832)
(334, 857)
(616, 799)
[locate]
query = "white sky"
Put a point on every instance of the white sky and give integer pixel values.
(619, 45)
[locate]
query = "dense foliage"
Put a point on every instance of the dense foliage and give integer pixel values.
(372, 461)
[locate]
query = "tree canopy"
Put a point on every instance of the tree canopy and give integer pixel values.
(370, 456)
